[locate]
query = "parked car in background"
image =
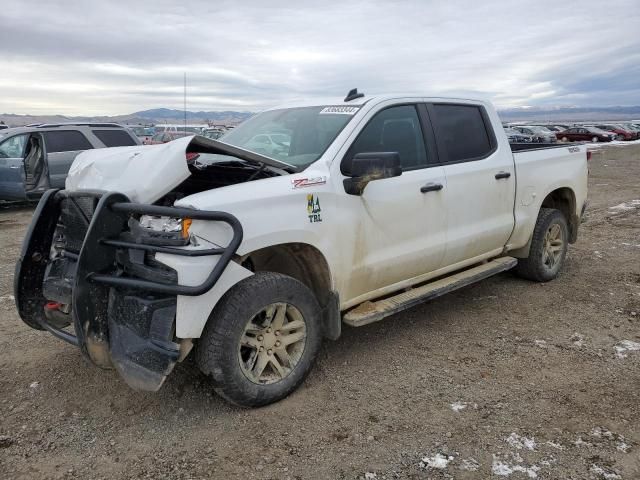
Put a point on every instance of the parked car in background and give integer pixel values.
(620, 132)
(164, 137)
(632, 128)
(192, 129)
(213, 133)
(34, 159)
(585, 134)
(143, 133)
(3, 126)
(515, 136)
(269, 144)
(538, 134)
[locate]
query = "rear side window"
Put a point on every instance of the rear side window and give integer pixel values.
(395, 129)
(114, 138)
(461, 132)
(65, 141)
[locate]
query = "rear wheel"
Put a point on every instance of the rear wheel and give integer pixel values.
(548, 247)
(620, 137)
(261, 339)
(565, 139)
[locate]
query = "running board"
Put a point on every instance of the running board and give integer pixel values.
(369, 312)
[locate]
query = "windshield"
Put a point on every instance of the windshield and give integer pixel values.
(297, 136)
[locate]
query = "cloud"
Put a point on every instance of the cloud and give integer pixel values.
(112, 57)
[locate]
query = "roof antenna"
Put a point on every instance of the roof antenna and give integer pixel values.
(353, 94)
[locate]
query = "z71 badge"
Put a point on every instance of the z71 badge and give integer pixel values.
(313, 208)
(308, 182)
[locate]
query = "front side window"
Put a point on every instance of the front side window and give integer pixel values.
(461, 132)
(13, 147)
(395, 129)
(65, 141)
(309, 130)
(114, 138)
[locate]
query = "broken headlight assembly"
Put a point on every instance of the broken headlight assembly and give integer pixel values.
(160, 230)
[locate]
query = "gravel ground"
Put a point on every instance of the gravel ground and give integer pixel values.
(505, 378)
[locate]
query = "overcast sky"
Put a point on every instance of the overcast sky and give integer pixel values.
(116, 57)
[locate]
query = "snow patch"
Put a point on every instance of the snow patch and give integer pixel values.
(438, 461)
(622, 447)
(470, 464)
(518, 442)
(370, 476)
(607, 474)
(577, 339)
(625, 346)
(540, 343)
(555, 445)
(458, 406)
(504, 469)
(626, 206)
(7, 298)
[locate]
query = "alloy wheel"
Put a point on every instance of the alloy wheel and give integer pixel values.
(272, 343)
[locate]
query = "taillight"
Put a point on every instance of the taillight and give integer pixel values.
(192, 156)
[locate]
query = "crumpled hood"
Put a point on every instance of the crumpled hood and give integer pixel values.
(145, 173)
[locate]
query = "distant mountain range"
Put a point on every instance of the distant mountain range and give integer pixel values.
(155, 116)
(228, 117)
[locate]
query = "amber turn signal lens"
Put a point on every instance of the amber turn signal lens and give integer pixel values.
(186, 223)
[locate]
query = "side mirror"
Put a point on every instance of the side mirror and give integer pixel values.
(369, 166)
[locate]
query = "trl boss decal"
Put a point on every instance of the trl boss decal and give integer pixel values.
(313, 208)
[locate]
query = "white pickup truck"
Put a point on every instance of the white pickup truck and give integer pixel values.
(250, 255)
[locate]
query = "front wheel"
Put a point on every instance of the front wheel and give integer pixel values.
(594, 140)
(261, 339)
(565, 139)
(549, 246)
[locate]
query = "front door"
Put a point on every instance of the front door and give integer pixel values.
(481, 183)
(12, 167)
(401, 225)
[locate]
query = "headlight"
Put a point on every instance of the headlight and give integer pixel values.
(166, 224)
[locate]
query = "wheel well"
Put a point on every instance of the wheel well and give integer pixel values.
(298, 260)
(564, 199)
(306, 264)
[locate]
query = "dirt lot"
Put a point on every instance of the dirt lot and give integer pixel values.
(504, 378)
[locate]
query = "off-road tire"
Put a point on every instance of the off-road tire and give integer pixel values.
(217, 351)
(533, 267)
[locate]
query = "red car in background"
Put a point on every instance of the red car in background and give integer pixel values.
(621, 132)
(585, 134)
(164, 137)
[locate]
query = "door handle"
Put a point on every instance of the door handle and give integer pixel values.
(431, 187)
(500, 175)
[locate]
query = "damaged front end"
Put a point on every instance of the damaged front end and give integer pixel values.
(87, 262)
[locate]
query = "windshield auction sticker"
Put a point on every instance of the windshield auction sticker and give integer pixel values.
(339, 110)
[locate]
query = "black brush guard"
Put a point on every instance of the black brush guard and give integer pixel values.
(119, 320)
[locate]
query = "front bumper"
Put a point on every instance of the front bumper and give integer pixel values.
(120, 319)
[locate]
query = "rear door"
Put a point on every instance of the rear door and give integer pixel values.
(480, 181)
(62, 147)
(12, 167)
